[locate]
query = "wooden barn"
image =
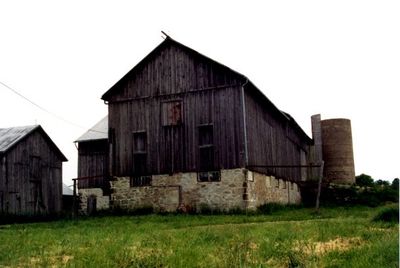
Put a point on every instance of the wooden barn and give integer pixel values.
(93, 166)
(185, 131)
(30, 172)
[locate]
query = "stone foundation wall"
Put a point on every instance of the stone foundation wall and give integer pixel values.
(267, 189)
(102, 202)
(165, 198)
(238, 189)
(166, 190)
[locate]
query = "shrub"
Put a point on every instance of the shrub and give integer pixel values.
(395, 184)
(344, 195)
(364, 180)
(270, 208)
(390, 215)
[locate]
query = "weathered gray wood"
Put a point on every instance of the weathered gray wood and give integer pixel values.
(93, 164)
(209, 93)
(31, 176)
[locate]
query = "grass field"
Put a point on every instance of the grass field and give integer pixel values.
(337, 237)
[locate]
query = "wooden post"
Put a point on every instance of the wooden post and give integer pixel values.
(321, 174)
(74, 203)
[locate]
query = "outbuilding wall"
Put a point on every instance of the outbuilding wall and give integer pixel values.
(31, 178)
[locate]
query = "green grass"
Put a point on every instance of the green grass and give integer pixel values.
(336, 237)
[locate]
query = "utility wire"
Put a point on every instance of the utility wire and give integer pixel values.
(47, 111)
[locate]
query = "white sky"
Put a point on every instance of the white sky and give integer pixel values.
(336, 58)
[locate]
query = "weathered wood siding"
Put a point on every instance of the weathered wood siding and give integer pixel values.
(172, 149)
(209, 94)
(172, 70)
(200, 93)
(31, 178)
(272, 139)
(93, 164)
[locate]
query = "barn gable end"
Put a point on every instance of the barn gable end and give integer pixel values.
(31, 172)
(185, 130)
(172, 68)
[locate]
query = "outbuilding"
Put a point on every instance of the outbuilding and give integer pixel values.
(30, 172)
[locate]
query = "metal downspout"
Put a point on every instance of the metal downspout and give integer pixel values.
(246, 155)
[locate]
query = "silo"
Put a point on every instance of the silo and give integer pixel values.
(337, 151)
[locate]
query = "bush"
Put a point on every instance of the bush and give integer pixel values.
(364, 180)
(395, 184)
(390, 215)
(270, 208)
(343, 195)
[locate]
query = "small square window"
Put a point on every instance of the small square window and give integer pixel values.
(140, 181)
(171, 113)
(139, 142)
(209, 176)
(206, 135)
(202, 176)
(214, 175)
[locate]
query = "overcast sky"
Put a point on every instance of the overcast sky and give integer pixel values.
(337, 58)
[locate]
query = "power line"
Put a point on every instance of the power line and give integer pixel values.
(45, 110)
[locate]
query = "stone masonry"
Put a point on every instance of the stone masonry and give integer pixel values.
(102, 202)
(237, 189)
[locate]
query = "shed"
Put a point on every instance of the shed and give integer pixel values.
(93, 157)
(30, 172)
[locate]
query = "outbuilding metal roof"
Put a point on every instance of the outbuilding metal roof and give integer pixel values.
(66, 190)
(11, 136)
(97, 132)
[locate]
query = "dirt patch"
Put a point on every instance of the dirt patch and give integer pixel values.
(50, 261)
(321, 248)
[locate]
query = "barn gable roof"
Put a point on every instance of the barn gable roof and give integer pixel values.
(167, 41)
(246, 81)
(98, 132)
(10, 137)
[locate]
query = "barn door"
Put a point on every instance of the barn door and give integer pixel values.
(38, 205)
(171, 119)
(172, 150)
(91, 205)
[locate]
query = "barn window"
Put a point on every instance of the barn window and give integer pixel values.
(206, 155)
(206, 147)
(139, 142)
(209, 176)
(140, 181)
(171, 113)
(139, 153)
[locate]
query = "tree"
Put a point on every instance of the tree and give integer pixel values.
(364, 180)
(382, 183)
(395, 184)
